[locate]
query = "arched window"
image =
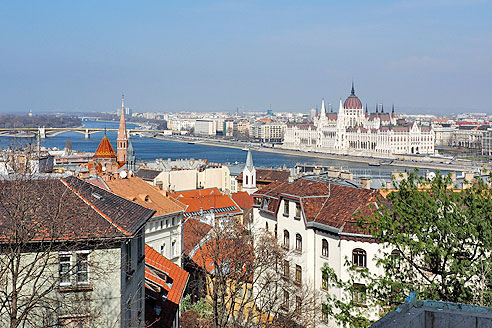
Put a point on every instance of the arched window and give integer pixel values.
(298, 242)
(324, 248)
(359, 257)
(286, 239)
(275, 231)
(246, 180)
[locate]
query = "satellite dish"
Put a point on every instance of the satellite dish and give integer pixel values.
(432, 175)
(123, 174)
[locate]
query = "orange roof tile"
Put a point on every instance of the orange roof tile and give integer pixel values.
(193, 232)
(155, 262)
(105, 150)
(203, 200)
(139, 191)
(243, 199)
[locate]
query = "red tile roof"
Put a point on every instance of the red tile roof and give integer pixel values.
(206, 201)
(153, 261)
(243, 199)
(105, 150)
(328, 204)
(163, 277)
(137, 190)
(193, 232)
(68, 209)
(268, 175)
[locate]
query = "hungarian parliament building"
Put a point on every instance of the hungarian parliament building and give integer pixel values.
(353, 131)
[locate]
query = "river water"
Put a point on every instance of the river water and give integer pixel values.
(148, 149)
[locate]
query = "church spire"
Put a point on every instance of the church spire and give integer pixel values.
(323, 110)
(122, 139)
(382, 108)
(377, 108)
(352, 93)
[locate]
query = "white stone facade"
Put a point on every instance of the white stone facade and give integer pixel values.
(352, 131)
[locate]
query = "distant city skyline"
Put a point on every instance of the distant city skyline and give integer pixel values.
(424, 57)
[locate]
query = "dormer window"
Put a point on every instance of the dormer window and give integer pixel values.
(286, 207)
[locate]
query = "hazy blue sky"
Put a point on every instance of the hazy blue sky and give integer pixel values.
(424, 56)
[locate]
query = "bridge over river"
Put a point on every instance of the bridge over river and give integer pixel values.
(51, 132)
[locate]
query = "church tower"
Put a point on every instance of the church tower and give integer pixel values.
(122, 139)
(130, 159)
(249, 175)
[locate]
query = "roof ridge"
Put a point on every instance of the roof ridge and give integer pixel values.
(94, 206)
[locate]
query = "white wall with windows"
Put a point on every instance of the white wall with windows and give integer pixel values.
(313, 246)
(165, 234)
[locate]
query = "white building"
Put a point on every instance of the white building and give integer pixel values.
(352, 131)
(205, 128)
(315, 221)
(268, 132)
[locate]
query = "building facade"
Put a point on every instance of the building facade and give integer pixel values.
(314, 222)
(353, 131)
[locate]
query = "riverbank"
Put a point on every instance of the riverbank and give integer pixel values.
(355, 159)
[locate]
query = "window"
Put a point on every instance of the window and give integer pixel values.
(286, 269)
(298, 303)
(298, 211)
(140, 247)
(266, 226)
(65, 268)
(163, 249)
(324, 313)
(167, 223)
(324, 281)
(82, 268)
(173, 248)
(359, 294)
(395, 257)
(286, 207)
(359, 257)
(173, 221)
(324, 248)
(128, 251)
(286, 239)
(162, 224)
(298, 242)
(246, 180)
(276, 235)
(285, 303)
(249, 293)
(298, 274)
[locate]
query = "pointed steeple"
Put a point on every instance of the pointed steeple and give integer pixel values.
(130, 158)
(393, 110)
(377, 108)
(249, 175)
(323, 110)
(122, 139)
(352, 93)
(382, 108)
(249, 161)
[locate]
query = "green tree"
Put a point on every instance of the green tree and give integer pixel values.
(436, 240)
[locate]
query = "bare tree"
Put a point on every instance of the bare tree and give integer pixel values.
(247, 285)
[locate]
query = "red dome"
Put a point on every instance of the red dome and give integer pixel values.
(352, 102)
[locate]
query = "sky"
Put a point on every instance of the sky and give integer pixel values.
(423, 56)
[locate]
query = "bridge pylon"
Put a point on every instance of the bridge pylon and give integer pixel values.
(87, 134)
(42, 132)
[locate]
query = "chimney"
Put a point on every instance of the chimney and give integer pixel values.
(366, 183)
(388, 184)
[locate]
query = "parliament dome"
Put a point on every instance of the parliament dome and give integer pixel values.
(352, 102)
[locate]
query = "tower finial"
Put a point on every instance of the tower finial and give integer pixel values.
(382, 108)
(353, 89)
(376, 108)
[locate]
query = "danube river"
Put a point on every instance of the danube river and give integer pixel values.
(148, 149)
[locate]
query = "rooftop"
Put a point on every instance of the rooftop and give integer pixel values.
(139, 191)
